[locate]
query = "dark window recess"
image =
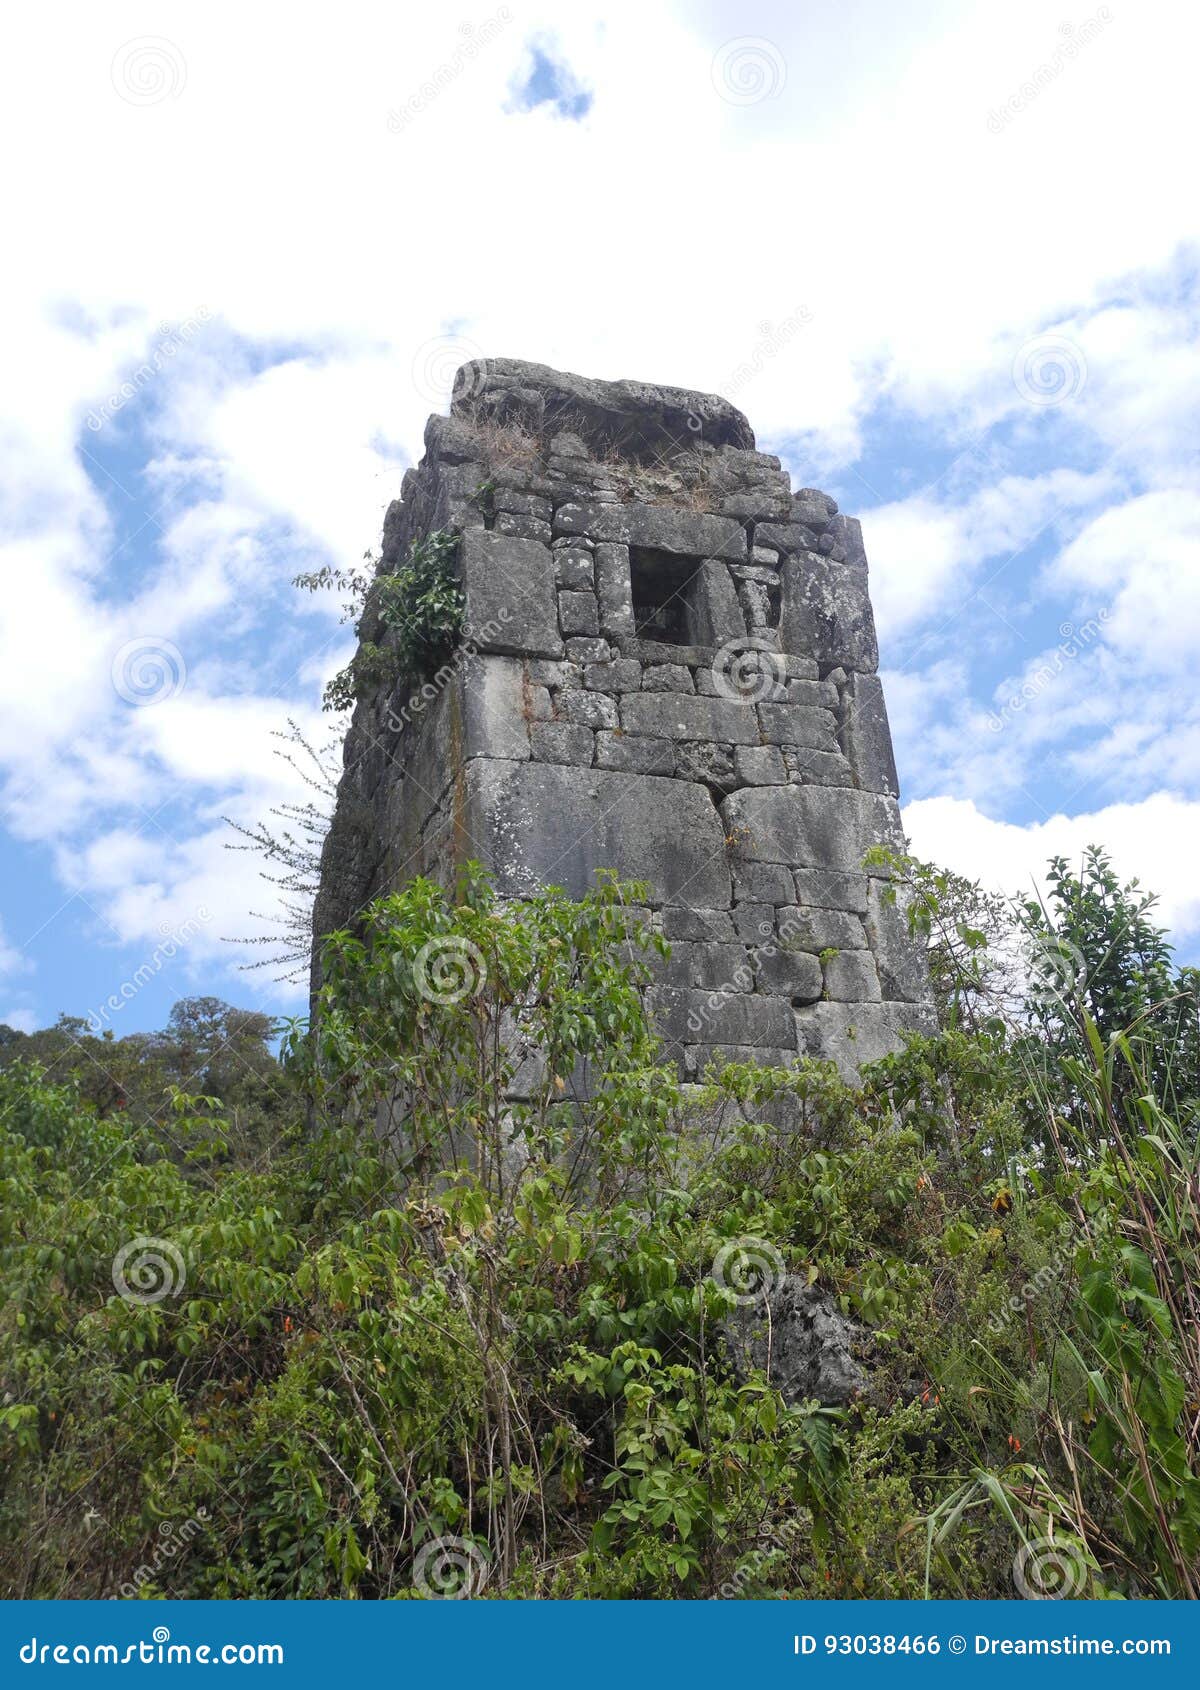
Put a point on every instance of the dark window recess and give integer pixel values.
(664, 596)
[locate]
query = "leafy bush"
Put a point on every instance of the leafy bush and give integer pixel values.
(463, 1323)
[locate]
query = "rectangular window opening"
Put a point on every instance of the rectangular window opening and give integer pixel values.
(664, 595)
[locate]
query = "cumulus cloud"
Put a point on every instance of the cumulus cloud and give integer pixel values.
(855, 249)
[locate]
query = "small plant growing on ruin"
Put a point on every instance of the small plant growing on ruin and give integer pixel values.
(418, 611)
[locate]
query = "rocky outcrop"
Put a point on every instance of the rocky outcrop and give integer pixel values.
(795, 1334)
(668, 668)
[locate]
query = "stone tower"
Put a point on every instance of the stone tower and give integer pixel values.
(668, 669)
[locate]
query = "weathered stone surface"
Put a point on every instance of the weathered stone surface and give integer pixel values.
(562, 742)
(851, 977)
(817, 768)
(867, 736)
(674, 716)
(853, 1034)
(811, 827)
(621, 675)
(636, 416)
(820, 929)
(759, 765)
(667, 677)
(712, 764)
(583, 650)
(565, 743)
(659, 527)
(710, 926)
(718, 616)
(795, 975)
(831, 891)
(576, 569)
(826, 611)
(546, 824)
(767, 883)
(588, 709)
(511, 595)
(755, 923)
(902, 959)
(741, 1018)
(799, 724)
(578, 613)
(637, 753)
(614, 592)
(494, 707)
(794, 1333)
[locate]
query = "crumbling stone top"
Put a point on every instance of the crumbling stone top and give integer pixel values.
(635, 419)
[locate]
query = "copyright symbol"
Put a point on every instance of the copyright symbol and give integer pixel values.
(958, 1645)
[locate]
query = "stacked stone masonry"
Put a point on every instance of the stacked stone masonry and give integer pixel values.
(668, 669)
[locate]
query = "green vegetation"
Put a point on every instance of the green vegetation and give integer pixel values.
(406, 622)
(387, 1332)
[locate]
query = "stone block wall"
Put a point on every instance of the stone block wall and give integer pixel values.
(668, 668)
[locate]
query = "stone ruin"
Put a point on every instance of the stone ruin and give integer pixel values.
(667, 669)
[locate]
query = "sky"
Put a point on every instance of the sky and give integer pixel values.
(944, 256)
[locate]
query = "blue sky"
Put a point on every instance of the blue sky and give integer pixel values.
(946, 263)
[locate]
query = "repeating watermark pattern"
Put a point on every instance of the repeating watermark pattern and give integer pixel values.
(448, 366)
(475, 37)
(173, 1537)
(773, 338)
(772, 1540)
(1049, 370)
(449, 969)
(149, 670)
(1045, 1277)
(432, 689)
(172, 339)
(171, 943)
(146, 1270)
(450, 1569)
(1057, 970)
(748, 69)
(742, 978)
(1045, 1571)
(148, 70)
(1073, 642)
(748, 671)
(751, 1268)
(1074, 40)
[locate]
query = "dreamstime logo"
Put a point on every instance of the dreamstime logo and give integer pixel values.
(431, 690)
(172, 338)
(449, 366)
(751, 1268)
(450, 1569)
(148, 70)
(748, 69)
(173, 1537)
(449, 969)
(773, 338)
(1073, 41)
(473, 39)
(1045, 1571)
(1072, 644)
(148, 1269)
(172, 941)
(1043, 1279)
(149, 670)
(748, 671)
(1049, 370)
(1057, 969)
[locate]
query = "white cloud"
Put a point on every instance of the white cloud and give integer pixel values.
(343, 264)
(1154, 841)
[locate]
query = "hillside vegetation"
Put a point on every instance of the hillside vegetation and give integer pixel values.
(348, 1324)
